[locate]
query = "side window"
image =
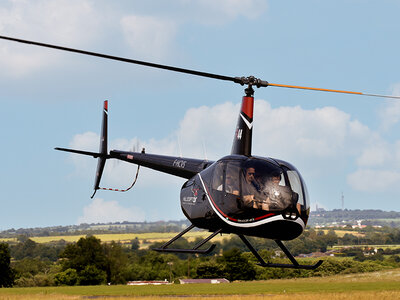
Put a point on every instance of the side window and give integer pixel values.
(232, 178)
(218, 178)
(226, 176)
(296, 185)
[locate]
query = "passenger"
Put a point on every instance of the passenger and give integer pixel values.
(279, 197)
(230, 185)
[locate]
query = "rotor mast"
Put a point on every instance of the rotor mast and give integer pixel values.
(242, 139)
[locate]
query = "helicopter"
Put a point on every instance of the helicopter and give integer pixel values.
(240, 193)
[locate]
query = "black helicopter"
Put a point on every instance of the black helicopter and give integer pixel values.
(240, 193)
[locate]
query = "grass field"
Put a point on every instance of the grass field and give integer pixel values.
(124, 238)
(378, 285)
(340, 233)
(148, 237)
(370, 246)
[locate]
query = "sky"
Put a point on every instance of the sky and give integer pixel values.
(341, 144)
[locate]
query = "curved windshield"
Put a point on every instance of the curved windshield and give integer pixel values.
(249, 188)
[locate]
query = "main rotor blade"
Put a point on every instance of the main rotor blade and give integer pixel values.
(128, 60)
(241, 80)
(331, 91)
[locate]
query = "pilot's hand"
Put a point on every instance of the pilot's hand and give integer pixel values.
(248, 198)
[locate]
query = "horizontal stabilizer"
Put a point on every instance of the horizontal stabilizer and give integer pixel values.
(94, 154)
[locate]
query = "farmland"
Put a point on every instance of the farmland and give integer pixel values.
(123, 238)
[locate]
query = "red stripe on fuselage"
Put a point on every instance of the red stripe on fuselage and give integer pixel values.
(248, 106)
(265, 216)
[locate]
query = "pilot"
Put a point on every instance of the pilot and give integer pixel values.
(250, 189)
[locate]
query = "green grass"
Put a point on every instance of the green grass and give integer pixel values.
(366, 282)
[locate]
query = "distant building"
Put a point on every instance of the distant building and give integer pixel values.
(213, 281)
(319, 209)
(151, 282)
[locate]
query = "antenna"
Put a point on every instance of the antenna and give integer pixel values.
(179, 146)
(342, 201)
(204, 149)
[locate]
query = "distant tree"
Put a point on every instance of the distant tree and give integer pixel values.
(135, 244)
(91, 275)
(210, 269)
(22, 238)
(94, 263)
(67, 277)
(87, 251)
(6, 273)
(26, 248)
(235, 242)
(31, 266)
(116, 262)
(88, 258)
(237, 267)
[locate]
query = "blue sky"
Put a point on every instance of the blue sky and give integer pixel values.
(340, 143)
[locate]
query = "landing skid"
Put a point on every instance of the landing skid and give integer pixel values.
(294, 265)
(262, 263)
(195, 249)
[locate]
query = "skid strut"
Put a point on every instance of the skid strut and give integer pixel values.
(294, 265)
(195, 249)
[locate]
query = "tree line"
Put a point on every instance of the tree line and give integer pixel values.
(91, 262)
(98, 228)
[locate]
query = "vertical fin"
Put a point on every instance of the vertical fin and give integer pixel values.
(244, 128)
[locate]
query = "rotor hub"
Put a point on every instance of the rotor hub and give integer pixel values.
(251, 80)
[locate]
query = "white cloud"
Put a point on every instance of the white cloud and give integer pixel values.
(209, 12)
(153, 35)
(88, 141)
(58, 22)
(321, 142)
(390, 114)
(80, 23)
(375, 155)
(319, 136)
(374, 180)
(100, 211)
(213, 126)
(321, 139)
(118, 174)
(148, 36)
(378, 168)
(378, 163)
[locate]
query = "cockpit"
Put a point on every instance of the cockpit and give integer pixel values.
(248, 189)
